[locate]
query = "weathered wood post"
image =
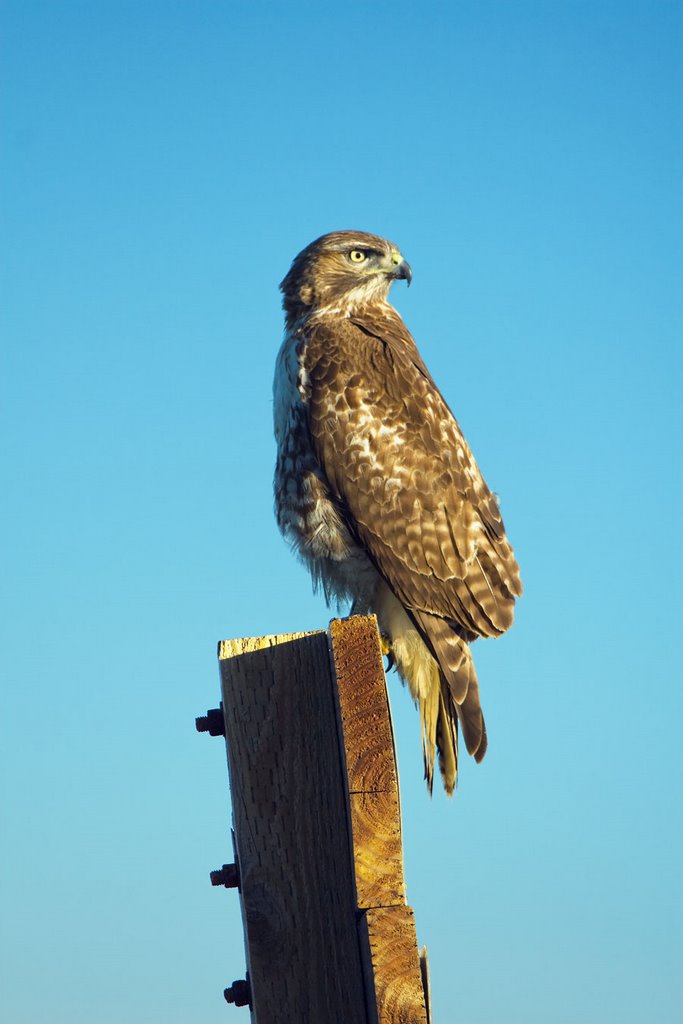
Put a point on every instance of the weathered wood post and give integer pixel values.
(317, 832)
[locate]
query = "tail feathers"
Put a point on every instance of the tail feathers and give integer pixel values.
(449, 649)
(447, 738)
(470, 713)
(458, 695)
(439, 718)
(430, 713)
(439, 726)
(473, 727)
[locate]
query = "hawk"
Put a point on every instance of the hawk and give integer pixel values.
(378, 491)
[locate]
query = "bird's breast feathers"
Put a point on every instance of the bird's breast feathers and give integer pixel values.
(307, 510)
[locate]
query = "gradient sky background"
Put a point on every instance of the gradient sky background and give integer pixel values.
(162, 163)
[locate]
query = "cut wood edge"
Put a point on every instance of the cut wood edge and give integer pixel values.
(392, 969)
(368, 751)
(248, 644)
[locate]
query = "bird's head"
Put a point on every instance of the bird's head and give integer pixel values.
(340, 271)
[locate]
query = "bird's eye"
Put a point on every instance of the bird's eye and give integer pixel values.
(356, 255)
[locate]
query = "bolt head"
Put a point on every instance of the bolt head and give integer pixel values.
(238, 993)
(212, 722)
(228, 876)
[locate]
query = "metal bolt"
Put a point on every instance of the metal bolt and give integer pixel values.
(228, 875)
(238, 993)
(212, 722)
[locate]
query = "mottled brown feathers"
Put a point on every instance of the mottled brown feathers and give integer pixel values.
(367, 442)
(397, 458)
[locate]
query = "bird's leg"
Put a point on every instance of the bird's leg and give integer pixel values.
(385, 644)
(360, 607)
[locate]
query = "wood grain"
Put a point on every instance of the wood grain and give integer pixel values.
(393, 976)
(369, 761)
(364, 710)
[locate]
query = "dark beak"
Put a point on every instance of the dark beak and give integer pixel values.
(403, 272)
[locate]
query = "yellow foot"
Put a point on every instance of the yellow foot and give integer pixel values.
(385, 645)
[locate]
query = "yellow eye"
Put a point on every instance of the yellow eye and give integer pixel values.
(356, 255)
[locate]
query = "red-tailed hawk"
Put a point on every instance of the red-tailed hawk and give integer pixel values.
(377, 489)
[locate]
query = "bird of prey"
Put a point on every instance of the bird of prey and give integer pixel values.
(378, 491)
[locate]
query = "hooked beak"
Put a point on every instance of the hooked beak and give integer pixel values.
(403, 272)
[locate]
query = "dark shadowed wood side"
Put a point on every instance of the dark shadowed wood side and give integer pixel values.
(291, 834)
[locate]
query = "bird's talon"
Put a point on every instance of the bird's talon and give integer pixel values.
(385, 645)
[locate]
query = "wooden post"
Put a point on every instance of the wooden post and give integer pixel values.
(329, 937)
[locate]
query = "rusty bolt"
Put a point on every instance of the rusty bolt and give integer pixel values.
(228, 875)
(212, 722)
(238, 993)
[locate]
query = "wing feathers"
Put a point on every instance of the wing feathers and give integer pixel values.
(449, 650)
(416, 501)
(455, 661)
(389, 444)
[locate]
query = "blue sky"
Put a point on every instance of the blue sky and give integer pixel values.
(162, 164)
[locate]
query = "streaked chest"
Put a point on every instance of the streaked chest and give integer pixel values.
(308, 512)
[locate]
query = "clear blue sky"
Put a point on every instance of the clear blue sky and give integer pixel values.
(162, 163)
